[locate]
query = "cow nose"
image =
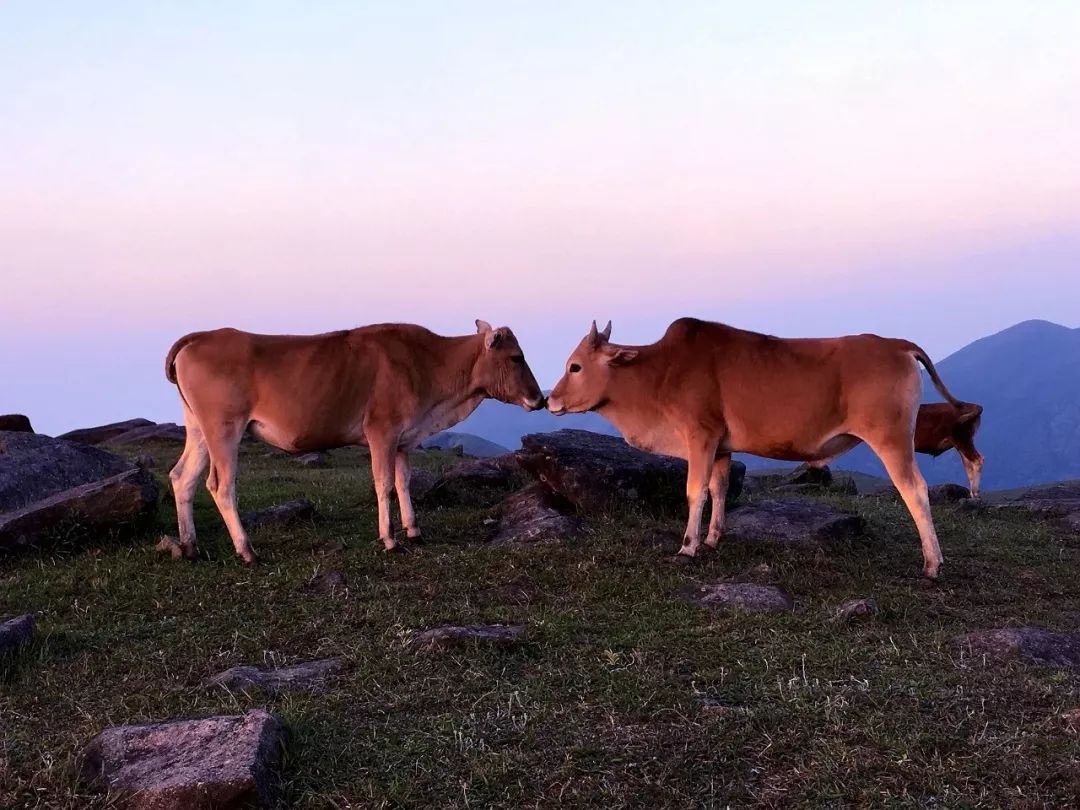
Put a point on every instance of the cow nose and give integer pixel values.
(538, 404)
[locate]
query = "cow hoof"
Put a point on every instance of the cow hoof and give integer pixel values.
(250, 562)
(397, 548)
(416, 541)
(930, 572)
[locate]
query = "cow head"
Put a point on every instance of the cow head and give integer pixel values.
(501, 371)
(584, 386)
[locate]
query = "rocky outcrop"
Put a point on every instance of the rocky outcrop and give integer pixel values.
(536, 513)
(48, 486)
(477, 481)
(280, 514)
(214, 763)
(165, 432)
(793, 521)
(102, 433)
(309, 677)
(15, 423)
(599, 473)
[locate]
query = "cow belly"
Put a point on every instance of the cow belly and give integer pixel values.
(657, 440)
(302, 441)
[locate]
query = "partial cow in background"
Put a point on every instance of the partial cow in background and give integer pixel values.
(388, 387)
(941, 426)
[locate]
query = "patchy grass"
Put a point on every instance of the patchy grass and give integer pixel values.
(605, 703)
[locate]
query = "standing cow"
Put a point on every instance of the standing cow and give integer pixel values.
(387, 387)
(706, 390)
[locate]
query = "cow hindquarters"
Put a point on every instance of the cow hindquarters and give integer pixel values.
(700, 456)
(898, 456)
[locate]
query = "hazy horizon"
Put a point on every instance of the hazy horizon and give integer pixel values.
(800, 170)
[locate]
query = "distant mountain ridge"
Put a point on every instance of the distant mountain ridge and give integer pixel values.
(1026, 377)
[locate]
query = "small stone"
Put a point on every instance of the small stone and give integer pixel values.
(1071, 721)
(16, 633)
(219, 762)
(717, 708)
(171, 546)
(327, 582)
(313, 460)
(856, 610)
(747, 596)
(495, 635)
(308, 677)
(948, 493)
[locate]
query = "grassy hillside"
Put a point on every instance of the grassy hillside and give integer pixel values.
(604, 705)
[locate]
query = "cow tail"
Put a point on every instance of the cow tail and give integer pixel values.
(170, 363)
(922, 357)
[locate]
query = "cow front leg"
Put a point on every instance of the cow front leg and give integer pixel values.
(402, 479)
(382, 474)
(700, 463)
(718, 484)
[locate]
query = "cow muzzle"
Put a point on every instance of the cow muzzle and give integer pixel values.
(537, 404)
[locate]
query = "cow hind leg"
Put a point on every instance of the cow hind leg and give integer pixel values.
(223, 446)
(898, 456)
(185, 477)
(718, 484)
(402, 479)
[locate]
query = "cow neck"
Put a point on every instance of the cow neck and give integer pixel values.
(455, 381)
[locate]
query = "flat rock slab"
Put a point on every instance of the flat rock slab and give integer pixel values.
(102, 433)
(16, 633)
(488, 635)
(856, 610)
(1031, 644)
(309, 677)
(214, 763)
(599, 473)
(793, 521)
(536, 513)
(748, 596)
(281, 514)
(118, 501)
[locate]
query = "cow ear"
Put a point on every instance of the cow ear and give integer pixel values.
(622, 357)
(482, 327)
(493, 338)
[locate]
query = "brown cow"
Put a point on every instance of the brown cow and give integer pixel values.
(388, 387)
(706, 390)
(941, 427)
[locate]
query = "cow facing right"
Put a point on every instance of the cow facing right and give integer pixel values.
(706, 390)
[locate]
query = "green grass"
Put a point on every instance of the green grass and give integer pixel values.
(602, 706)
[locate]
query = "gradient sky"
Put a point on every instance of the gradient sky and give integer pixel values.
(800, 168)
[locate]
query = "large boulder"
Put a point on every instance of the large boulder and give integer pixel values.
(472, 482)
(15, 423)
(102, 433)
(599, 473)
(49, 484)
(536, 513)
(214, 763)
(792, 521)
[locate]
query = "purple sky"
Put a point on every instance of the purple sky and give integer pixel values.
(803, 169)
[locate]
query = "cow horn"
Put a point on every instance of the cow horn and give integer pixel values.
(606, 334)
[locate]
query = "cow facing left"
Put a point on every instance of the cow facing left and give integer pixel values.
(387, 387)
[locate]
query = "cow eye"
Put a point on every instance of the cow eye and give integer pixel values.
(574, 368)
(519, 359)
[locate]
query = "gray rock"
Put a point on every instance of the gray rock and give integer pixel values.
(120, 501)
(1059, 503)
(313, 460)
(948, 493)
(165, 432)
(309, 677)
(793, 521)
(330, 582)
(145, 461)
(16, 633)
(1031, 644)
(215, 763)
(599, 473)
(856, 610)
(102, 433)
(718, 708)
(805, 474)
(536, 513)
(15, 423)
(279, 514)
(747, 596)
(494, 635)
